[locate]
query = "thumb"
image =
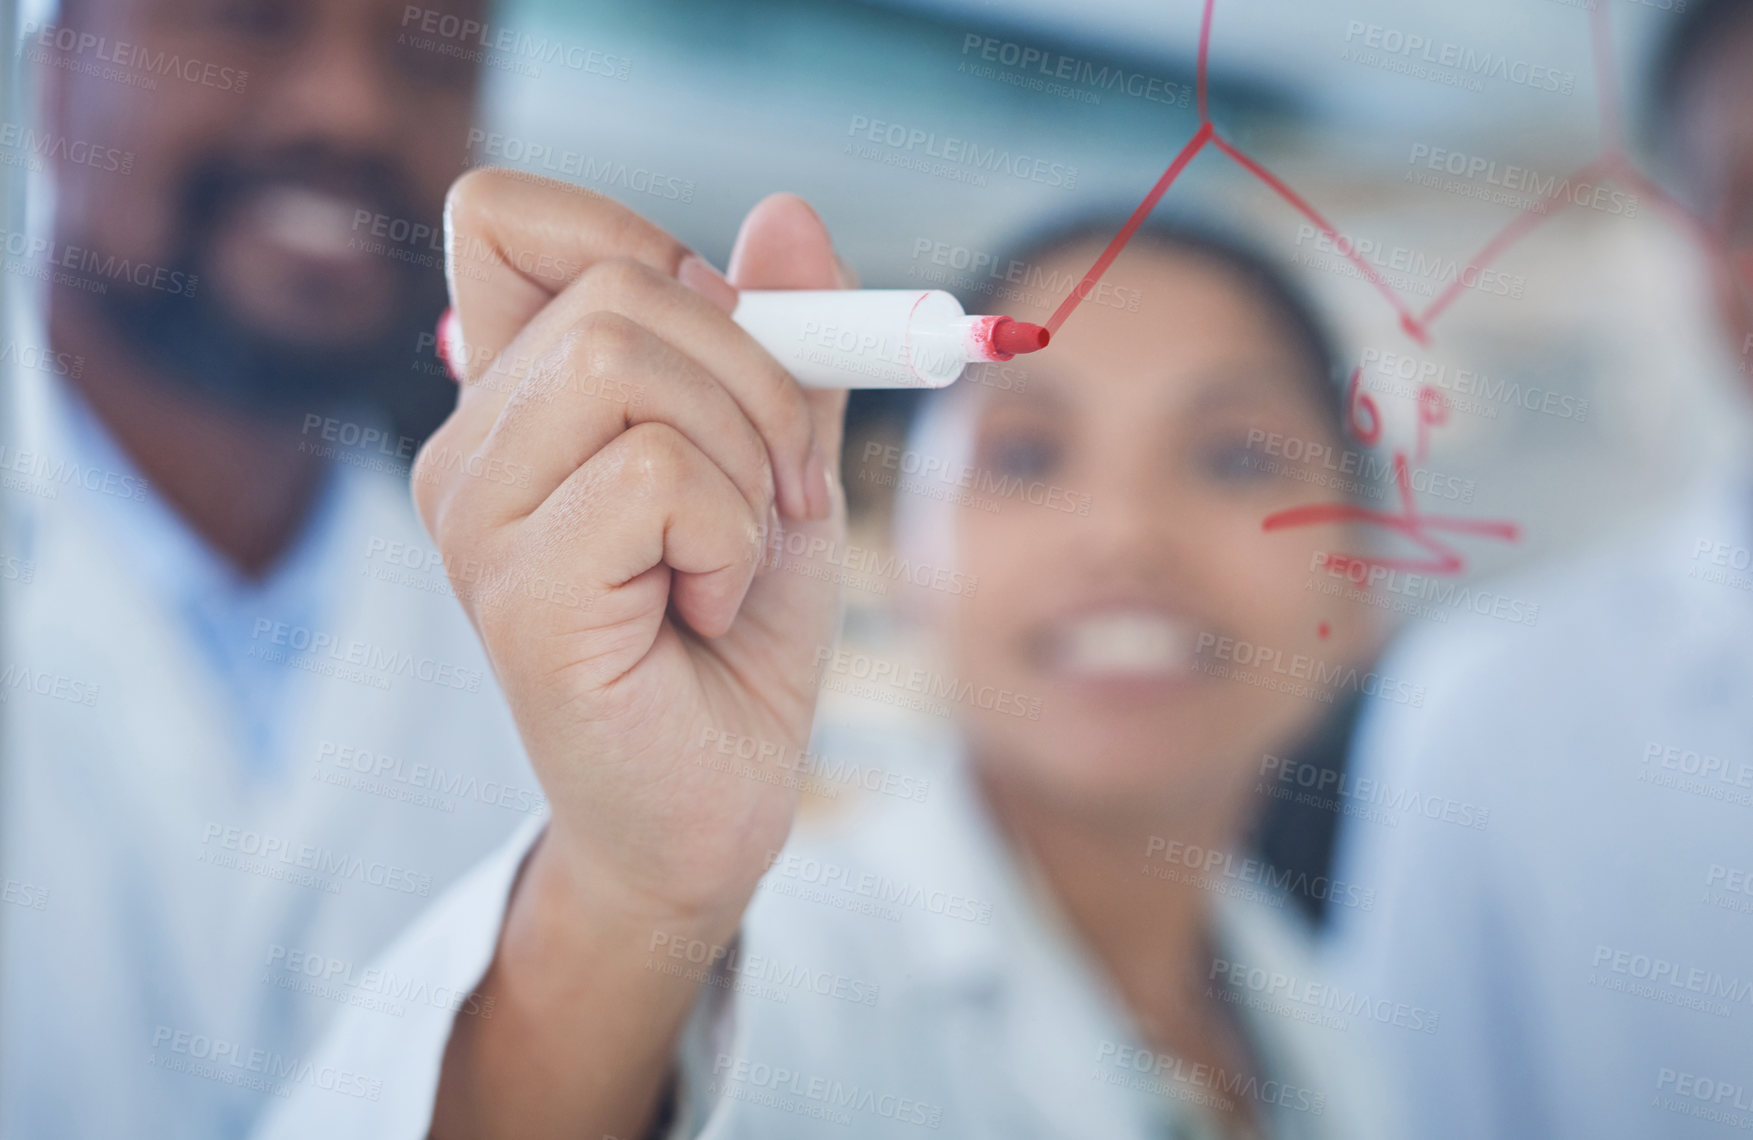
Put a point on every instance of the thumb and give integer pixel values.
(784, 245)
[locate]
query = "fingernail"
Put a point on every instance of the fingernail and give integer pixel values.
(449, 332)
(816, 486)
(697, 274)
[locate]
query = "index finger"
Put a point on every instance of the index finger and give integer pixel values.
(513, 242)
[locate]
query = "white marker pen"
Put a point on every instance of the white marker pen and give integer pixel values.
(878, 338)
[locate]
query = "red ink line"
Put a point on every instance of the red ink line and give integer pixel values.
(1433, 411)
(1201, 67)
(1414, 528)
(1484, 528)
(1508, 236)
(1314, 513)
(1634, 178)
(1403, 480)
(1713, 243)
(1448, 560)
(1415, 325)
(1504, 238)
(1407, 522)
(1612, 162)
(1407, 320)
(1088, 284)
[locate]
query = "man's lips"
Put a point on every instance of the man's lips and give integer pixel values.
(309, 223)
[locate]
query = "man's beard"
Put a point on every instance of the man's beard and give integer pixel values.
(200, 343)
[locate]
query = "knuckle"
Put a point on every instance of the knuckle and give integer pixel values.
(657, 455)
(425, 503)
(465, 201)
(495, 611)
(428, 482)
(447, 525)
(603, 344)
(443, 499)
(547, 376)
(615, 282)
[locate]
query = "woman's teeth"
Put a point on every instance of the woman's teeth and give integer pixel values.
(1125, 643)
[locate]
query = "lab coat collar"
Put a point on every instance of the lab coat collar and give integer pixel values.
(52, 418)
(1026, 973)
(1059, 1016)
(115, 516)
(953, 839)
(949, 842)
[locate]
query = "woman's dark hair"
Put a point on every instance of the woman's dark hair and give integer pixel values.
(1262, 277)
(1686, 51)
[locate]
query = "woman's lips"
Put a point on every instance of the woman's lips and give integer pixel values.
(1120, 643)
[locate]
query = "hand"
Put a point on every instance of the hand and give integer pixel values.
(621, 442)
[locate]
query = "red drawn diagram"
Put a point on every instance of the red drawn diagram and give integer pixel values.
(1423, 531)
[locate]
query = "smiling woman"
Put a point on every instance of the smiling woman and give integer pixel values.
(1150, 420)
(1172, 645)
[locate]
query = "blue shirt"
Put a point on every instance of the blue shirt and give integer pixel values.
(221, 607)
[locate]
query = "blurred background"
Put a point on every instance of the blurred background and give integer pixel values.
(1605, 306)
(1598, 387)
(1337, 99)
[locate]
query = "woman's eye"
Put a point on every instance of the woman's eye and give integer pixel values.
(1025, 456)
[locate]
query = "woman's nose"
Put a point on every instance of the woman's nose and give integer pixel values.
(1127, 514)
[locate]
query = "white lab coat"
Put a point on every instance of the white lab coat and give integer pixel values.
(153, 987)
(896, 975)
(1589, 948)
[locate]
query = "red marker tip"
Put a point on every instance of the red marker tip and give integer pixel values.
(1017, 337)
(444, 344)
